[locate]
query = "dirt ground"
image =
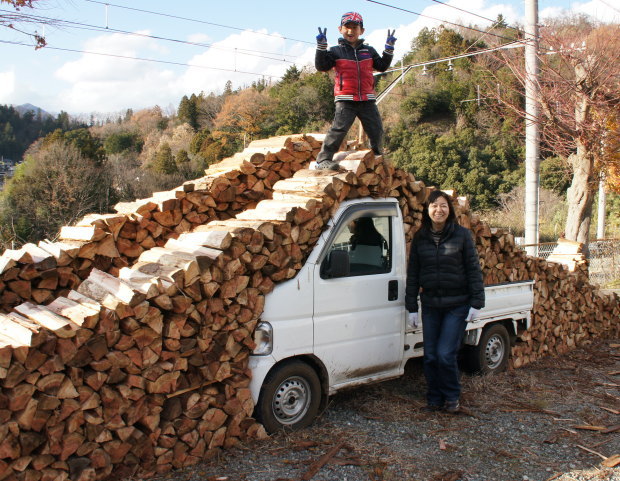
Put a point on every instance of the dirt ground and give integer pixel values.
(556, 419)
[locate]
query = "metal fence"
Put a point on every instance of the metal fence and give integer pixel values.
(544, 249)
(604, 258)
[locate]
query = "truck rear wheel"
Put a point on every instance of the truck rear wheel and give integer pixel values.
(290, 397)
(491, 354)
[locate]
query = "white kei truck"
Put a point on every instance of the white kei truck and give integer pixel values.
(341, 321)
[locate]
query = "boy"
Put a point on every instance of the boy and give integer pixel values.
(354, 89)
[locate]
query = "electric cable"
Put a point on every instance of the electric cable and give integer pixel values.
(85, 26)
(604, 2)
(437, 19)
(194, 20)
(506, 46)
(470, 13)
(493, 22)
(127, 57)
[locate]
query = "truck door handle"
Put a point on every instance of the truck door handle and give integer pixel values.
(392, 290)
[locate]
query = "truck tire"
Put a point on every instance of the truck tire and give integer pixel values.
(289, 398)
(491, 354)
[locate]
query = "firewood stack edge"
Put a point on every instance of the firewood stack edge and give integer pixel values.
(124, 345)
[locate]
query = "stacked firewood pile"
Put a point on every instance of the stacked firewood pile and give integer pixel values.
(571, 254)
(124, 347)
(40, 273)
(567, 308)
(147, 369)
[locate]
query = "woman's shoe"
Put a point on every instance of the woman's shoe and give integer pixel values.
(452, 407)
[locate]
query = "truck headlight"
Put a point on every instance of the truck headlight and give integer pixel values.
(263, 337)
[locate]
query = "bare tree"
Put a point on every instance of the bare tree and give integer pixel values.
(242, 115)
(17, 19)
(509, 213)
(612, 145)
(55, 186)
(579, 88)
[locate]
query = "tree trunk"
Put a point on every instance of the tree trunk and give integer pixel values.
(580, 197)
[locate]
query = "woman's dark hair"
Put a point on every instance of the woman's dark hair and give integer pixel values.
(434, 195)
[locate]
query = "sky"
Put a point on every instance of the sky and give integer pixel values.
(90, 64)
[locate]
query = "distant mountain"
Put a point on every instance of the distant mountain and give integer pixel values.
(22, 109)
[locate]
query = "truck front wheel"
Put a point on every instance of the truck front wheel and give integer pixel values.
(290, 397)
(491, 354)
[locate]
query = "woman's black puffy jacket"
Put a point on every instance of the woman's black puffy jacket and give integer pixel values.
(447, 274)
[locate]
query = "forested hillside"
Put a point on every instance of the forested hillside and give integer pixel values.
(18, 131)
(441, 123)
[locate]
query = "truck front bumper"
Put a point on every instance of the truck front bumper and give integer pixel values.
(260, 366)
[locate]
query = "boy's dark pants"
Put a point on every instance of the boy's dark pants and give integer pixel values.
(346, 112)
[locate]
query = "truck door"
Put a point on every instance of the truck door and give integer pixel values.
(358, 316)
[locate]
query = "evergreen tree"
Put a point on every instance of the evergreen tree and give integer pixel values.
(200, 141)
(182, 157)
(188, 111)
(302, 104)
(18, 132)
(500, 21)
(164, 160)
(88, 145)
(292, 74)
(122, 141)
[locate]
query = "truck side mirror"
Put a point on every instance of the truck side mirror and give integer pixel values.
(336, 264)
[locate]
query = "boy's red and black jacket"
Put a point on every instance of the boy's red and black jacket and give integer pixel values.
(354, 67)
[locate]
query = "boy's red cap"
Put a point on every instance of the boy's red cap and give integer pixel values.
(352, 17)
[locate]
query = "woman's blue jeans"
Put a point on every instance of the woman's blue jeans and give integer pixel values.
(444, 328)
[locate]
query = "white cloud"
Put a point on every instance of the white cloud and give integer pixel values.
(241, 58)
(111, 65)
(406, 33)
(105, 84)
(15, 90)
(110, 83)
(199, 38)
(597, 9)
(7, 86)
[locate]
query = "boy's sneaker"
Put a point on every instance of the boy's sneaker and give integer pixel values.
(452, 407)
(328, 164)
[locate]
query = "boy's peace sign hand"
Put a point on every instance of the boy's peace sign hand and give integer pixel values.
(321, 38)
(391, 40)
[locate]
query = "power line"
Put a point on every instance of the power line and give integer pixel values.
(196, 44)
(610, 6)
(194, 20)
(493, 22)
(470, 13)
(437, 19)
(513, 44)
(85, 26)
(127, 57)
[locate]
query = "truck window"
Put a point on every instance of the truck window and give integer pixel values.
(367, 241)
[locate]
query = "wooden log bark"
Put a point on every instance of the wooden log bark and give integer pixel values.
(140, 360)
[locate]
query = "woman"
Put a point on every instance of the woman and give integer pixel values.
(444, 267)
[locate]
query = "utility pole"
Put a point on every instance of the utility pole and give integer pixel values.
(602, 207)
(532, 133)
